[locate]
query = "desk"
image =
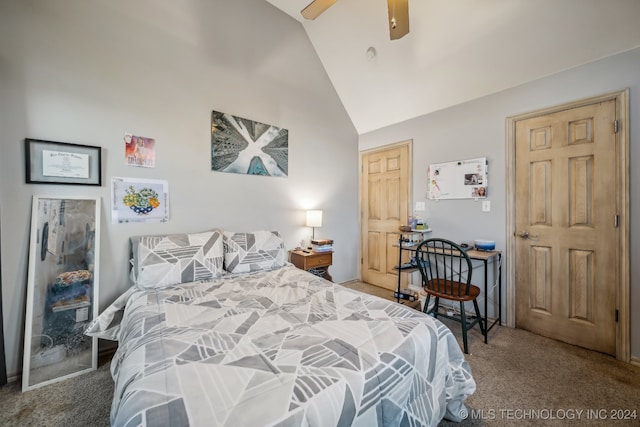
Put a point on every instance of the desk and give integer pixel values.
(485, 257)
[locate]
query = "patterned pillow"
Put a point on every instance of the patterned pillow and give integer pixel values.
(259, 250)
(167, 260)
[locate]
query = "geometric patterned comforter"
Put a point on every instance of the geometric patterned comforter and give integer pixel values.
(279, 348)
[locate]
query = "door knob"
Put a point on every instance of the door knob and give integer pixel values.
(524, 234)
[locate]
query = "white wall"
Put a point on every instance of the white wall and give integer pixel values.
(87, 71)
(477, 129)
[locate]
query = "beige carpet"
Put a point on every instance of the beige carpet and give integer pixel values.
(80, 401)
(522, 379)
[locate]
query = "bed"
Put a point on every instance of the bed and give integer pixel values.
(219, 329)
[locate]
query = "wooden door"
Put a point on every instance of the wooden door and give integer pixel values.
(384, 192)
(566, 226)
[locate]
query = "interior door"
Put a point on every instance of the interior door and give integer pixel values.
(566, 226)
(384, 190)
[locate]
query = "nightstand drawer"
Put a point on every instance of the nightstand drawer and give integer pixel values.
(317, 263)
(319, 260)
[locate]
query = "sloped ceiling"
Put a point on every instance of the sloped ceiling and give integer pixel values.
(457, 50)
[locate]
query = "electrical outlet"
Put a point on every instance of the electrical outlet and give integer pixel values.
(420, 206)
(486, 206)
(82, 314)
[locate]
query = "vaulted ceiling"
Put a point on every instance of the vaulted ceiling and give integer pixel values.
(457, 50)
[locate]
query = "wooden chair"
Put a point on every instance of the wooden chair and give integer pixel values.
(446, 273)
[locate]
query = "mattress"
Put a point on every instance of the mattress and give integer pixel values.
(279, 348)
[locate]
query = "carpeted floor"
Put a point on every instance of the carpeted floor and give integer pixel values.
(522, 379)
(79, 401)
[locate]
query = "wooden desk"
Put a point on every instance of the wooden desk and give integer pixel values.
(485, 257)
(317, 263)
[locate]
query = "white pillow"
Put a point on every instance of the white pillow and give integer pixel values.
(166, 260)
(255, 251)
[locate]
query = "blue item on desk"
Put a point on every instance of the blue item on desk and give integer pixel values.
(485, 245)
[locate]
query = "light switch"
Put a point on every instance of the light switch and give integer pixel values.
(420, 206)
(486, 206)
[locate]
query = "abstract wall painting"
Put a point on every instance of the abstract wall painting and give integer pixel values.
(248, 147)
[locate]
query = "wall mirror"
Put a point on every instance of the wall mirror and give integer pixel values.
(62, 294)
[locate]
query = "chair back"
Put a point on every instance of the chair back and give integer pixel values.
(445, 268)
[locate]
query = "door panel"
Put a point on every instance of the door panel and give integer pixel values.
(385, 190)
(566, 201)
(373, 256)
(393, 199)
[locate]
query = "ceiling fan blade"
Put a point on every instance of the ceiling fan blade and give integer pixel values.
(315, 8)
(398, 18)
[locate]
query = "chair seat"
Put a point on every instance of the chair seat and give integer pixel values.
(450, 290)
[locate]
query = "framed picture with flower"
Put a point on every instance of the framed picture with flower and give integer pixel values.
(139, 200)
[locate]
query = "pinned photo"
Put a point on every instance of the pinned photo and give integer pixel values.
(479, 192)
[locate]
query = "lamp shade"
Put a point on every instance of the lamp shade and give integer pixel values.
(314, 218)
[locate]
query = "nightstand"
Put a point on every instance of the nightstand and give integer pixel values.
(317, 263)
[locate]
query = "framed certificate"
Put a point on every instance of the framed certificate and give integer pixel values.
(49, 162)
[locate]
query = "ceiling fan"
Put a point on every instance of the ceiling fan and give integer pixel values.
(398, 15)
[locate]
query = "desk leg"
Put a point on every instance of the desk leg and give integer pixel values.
(486, 299)
(399, 270)
(500, 289)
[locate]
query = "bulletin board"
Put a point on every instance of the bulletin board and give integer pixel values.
(462, 179)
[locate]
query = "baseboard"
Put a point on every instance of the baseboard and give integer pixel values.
(346, 282)
(635, 361)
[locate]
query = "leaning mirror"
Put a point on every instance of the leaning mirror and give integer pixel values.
(62, 294)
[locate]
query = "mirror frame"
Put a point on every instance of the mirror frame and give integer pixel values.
(62, 289)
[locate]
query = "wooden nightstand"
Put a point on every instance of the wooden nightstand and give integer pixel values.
(317, 263)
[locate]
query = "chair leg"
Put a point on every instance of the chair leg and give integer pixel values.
(463, 320)
(436, 306)
(483, 325)
(425, 309)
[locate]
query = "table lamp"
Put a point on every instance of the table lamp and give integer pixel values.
(314, 219)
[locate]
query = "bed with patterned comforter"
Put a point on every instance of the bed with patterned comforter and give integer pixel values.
(283, 348)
